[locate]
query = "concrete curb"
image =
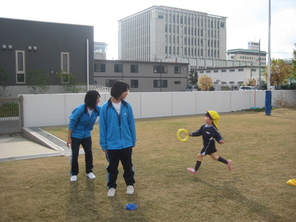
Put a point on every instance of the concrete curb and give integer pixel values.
(37, 138)
(31, 156)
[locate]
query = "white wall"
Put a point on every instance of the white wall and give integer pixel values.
(54, 109)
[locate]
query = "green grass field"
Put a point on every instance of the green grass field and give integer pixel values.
(263, 150)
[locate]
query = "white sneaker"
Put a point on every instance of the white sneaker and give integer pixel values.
(73, 178)
(111, 192)
(91, 176)
(130, 189)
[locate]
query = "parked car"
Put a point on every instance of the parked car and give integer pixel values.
(244, 88)
(191, 88)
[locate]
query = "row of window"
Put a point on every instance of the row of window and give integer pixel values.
(21, 71)
(230, 82)
(193, 19)
(224, 70)
(191, 41)
(101, 67)
(191, 31)
(135, 83)
(191, 51)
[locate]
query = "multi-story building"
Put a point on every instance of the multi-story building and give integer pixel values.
(142, 76)
(233, 77)
(162, 33)
(51, 48)
(252, 54)
(100, 49)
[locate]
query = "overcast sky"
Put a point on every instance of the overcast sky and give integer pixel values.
(247, 20)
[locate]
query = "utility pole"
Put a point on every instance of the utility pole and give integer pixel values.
(268, 95)
(269, 61)
(259, 65)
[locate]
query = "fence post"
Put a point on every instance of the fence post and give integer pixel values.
(21, 110)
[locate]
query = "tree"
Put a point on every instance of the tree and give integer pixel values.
(193, 78)
(205, 83)
(3, 82)
(251, 82)
(37, 81)
(279, 72)
(69, 82)
(294, 63)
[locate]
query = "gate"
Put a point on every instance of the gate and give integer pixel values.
(11, 116)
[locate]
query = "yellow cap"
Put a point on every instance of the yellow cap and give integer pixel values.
(292, 182)
(214, 116)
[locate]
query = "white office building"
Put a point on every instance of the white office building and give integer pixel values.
(167, 34)
(253, 54)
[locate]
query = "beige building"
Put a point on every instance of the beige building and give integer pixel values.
(142, 76)
(233, 77)
(167, 34)
(253, 54)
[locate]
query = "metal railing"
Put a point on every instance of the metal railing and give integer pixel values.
(11, 112)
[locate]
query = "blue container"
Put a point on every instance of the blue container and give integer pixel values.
(268, 110)
(268, 102)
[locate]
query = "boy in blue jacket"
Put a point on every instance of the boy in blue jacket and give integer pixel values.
(81, 123)
(118, 136)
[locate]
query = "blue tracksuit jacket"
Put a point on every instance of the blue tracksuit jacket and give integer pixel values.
(81, 123)
(117, 131)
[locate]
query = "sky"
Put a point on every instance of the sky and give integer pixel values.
(246, 20)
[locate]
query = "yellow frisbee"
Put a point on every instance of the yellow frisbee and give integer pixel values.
(182, 135)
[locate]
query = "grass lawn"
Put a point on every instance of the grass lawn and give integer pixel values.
(263, 150)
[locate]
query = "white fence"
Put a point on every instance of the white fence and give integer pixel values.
(54, 109)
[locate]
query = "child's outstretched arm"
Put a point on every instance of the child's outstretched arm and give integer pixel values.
(197, 132)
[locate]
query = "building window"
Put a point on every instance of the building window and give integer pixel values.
(215, 70)
(253, 70)
(100, 67)
(118, 68)
(240, 70)
(223, 83)
(160, 84)
(134, 68)
(134, 83)
(231, 70)
(160, 69)
(231, 82)
(208, 71)
(110, 82)
(201, 71)
(177, 69)
(65, 67)
(177, 82)
(223, 70)
(160, 13)
(20, 66)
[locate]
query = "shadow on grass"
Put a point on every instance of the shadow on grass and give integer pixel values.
(231, 192)
(119, 213)
(81, 204)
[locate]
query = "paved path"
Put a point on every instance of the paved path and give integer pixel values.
(18, 148)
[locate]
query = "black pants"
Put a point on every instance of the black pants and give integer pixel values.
(113, 157)
(86, 144)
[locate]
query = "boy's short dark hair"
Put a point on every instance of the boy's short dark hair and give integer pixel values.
(208, 115)
(90, 98)
(118, 88)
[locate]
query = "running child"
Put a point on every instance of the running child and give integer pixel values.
(209, 133)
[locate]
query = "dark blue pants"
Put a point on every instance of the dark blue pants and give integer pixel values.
(86, 144)
(113, 157)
